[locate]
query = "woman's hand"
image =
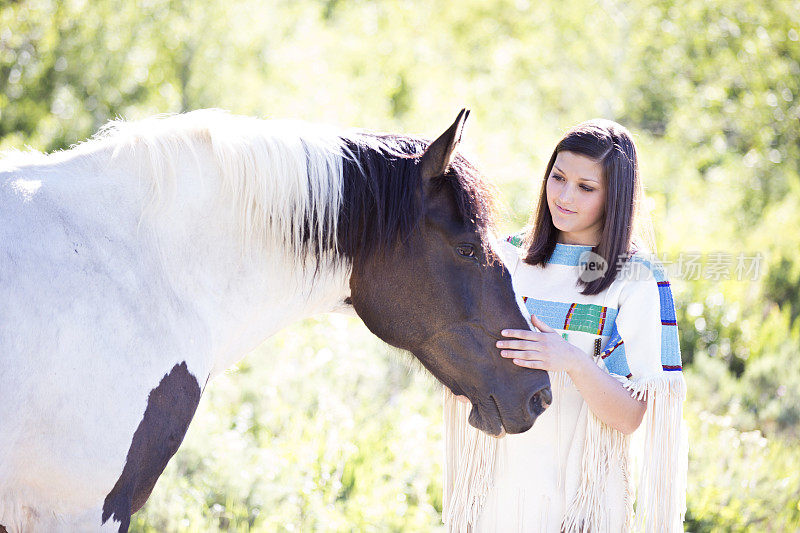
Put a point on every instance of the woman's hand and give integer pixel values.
(545, 349)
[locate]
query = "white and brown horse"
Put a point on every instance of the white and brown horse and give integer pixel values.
(137, 265)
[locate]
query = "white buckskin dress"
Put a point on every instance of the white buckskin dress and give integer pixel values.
(571, 472)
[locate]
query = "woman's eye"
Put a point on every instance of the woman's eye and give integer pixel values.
(556, 177)
(587, 189)
(465, 250)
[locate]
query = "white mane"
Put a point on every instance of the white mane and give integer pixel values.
(285, 177)
(95, 313)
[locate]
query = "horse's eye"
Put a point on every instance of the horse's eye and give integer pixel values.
(465, 250)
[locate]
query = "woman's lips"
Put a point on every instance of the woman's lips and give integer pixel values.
(565, 211)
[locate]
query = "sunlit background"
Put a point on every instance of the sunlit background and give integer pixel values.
(324, 428)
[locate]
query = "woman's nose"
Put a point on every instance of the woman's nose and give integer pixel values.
(566, 195)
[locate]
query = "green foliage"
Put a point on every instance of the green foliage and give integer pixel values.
(740, 480)
(324, 429)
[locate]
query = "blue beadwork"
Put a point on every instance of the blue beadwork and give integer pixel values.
(670, 346)
(568, 254)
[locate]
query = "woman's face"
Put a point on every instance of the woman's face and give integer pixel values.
(576, 198)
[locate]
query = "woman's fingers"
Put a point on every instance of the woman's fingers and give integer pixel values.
(541, 325)
(521, 354)
(540, 365)
(518, 345)
(524, 334)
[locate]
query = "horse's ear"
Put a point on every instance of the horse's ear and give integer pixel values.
(440, 153)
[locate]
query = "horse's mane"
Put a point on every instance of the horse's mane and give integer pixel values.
(382, 193)
(316, 191)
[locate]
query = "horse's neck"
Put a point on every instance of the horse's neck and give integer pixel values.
(247, 293)
(248, 301)
(241, 295)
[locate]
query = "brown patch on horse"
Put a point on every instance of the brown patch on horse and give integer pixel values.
(170, 408)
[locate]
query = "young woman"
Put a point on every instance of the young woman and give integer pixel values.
(605, 331)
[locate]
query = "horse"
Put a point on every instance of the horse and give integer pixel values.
(139, 264)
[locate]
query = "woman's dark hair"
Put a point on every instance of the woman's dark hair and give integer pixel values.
(611, 145)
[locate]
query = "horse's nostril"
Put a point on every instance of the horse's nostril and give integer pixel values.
(546, 395)
(540, 401)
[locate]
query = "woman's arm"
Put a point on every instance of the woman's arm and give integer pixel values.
(547, 350)
(606, 397)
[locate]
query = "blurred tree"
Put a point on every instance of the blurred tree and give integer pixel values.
(709, 89)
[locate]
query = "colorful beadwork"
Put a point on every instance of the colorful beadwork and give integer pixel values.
(569, 316)
(599, 320)
(670, 347)
(667, 308)
(589, 318)
(614, 354)
(516, 239)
